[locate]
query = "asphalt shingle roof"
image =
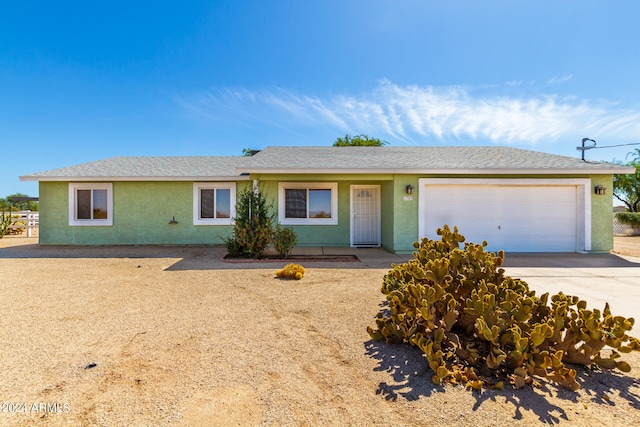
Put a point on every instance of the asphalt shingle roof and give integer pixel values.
(151, 167)
(481, 160)
(417, 160)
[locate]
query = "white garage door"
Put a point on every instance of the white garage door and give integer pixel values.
(516, 218)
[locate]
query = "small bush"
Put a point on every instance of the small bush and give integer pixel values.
(629, 218)
(477, 326)
(291, 271)
(16, 222)
(235, 248)
(284, 240)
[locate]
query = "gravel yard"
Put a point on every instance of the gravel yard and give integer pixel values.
(159, 336)
(627, 245)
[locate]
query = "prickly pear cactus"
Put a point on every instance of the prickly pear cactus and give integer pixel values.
(291, 271)
(5, 222)
(476, 326)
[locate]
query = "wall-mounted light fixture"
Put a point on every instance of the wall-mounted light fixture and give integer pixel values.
(600, 190)
(173, 221)
(409, 189)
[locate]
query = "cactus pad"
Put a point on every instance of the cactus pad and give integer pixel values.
(476, 325)
(291, 271)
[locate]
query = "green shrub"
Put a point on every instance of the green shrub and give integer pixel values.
(235, 249)
(284, 240)
(252, 230)
(628, 218)
(477, 326)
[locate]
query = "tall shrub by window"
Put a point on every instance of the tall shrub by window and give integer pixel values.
(252, 230)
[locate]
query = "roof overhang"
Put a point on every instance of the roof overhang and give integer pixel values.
(132, 178)
(400, 171)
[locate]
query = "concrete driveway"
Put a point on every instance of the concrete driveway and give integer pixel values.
(596, 278)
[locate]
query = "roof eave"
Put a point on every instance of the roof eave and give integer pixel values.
(484, 171)
(132, 178)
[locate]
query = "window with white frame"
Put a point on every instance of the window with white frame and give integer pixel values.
(91, 204)
(308, 203)
(214, 203)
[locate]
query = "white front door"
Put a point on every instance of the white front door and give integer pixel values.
(365, 215)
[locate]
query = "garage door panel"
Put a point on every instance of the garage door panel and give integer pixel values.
(514, 218)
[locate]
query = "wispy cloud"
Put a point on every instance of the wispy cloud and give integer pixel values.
(558, 80)
(412, 113)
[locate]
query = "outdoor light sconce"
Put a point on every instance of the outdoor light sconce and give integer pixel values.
(600, 190)
(173, 221)
(409, 189)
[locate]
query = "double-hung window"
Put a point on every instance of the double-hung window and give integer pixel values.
(214, 203)
(91, 204)
(308, 203)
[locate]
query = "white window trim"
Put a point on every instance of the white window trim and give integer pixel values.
(333, 186)
(197, 186)
(74, 187)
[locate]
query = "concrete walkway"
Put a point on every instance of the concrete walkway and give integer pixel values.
(370, 257)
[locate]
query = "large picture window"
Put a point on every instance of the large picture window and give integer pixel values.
(213, 203)
(90, 204)
(307, 203)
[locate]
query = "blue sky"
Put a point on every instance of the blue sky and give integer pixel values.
(86, 80)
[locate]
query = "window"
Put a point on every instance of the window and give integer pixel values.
(90, 204)
(308, 203)
(214, 203)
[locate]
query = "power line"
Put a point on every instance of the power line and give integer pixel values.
(589, 147)
(618, 145)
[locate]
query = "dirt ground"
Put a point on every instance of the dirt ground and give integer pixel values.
(627, 245)
(173, 336)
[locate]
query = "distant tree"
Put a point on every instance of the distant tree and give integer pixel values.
(249, 151)
(358, 140)
(7, 203)
(626, 188)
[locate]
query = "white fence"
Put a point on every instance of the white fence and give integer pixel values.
(24, 220)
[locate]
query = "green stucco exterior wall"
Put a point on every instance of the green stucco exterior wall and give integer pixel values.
(406, 212)
(141, 215)
(602, 215)
(142, 211)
